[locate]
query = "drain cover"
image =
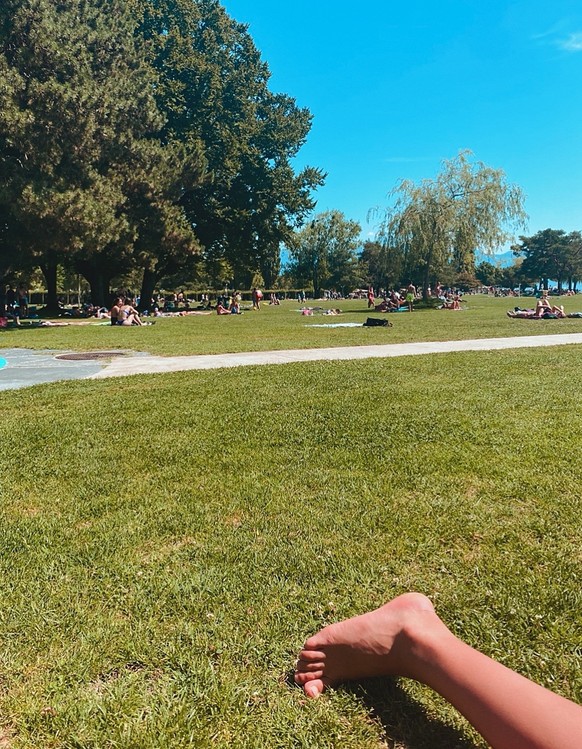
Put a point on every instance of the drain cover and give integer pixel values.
(91, 355)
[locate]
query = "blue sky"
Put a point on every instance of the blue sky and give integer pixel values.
(395, 88)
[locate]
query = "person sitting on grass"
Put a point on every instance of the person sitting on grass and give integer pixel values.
(128, 315)
(543, 304)
(114, 311)
(544, 307)
(221, 309)
(452, 302)
(386, 305)
(405, 637)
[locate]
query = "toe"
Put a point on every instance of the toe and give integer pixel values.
(303, 665)
(311, 655)
(314, 688)
(302, 677)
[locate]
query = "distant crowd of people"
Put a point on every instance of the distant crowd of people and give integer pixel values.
(127, 307)
(397, 300)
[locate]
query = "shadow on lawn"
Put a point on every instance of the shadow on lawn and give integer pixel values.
(405, 721)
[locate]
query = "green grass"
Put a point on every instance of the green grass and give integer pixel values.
(169, 541)
(284, 327)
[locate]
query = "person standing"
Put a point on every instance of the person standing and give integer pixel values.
(11, 306)
(22, 300)
(410, 295)
(257, 295)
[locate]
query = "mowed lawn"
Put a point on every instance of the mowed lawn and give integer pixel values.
(284, 327)
(168, 542)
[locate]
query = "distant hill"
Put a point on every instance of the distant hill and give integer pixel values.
(503, 260)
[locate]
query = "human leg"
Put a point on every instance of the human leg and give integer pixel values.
(405, 637)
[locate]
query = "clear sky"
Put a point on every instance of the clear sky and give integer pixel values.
(396, 87)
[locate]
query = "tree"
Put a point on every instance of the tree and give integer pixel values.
(573, 265)
(213, 90)
(381, 265)
(77, 116)
(443, 221)
(551, 254)
(137, 134)
(487, 273)
(324, 252)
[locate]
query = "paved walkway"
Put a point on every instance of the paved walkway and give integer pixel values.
(156, 364)
(23, 367)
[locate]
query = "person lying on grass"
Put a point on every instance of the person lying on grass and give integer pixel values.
(405, 637)
(541, 312)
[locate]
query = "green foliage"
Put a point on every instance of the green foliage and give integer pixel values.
(76, 118)
(381, 266)
(135, 133)
(551, 254)
(324, 254)
(487, 273)
(213, 90)
(443, 221)
(466, 281)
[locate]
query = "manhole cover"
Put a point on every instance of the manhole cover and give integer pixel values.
(91, 355)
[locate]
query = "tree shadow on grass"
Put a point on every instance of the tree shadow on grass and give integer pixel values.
(405, 721)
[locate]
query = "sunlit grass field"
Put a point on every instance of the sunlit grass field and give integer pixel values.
(168, 541)
(284, 327)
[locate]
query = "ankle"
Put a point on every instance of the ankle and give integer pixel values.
(426, 637)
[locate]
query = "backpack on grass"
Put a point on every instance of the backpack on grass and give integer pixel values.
(375, 322)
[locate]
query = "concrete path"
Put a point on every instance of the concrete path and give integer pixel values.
(24, 367)
(158, 364)
(21, 368)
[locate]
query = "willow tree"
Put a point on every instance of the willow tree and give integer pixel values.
(441, 222)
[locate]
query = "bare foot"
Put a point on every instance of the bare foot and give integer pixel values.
(379, 643)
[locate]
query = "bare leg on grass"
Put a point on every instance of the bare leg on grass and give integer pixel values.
(405, 637)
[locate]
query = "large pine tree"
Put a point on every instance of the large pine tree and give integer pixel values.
(142, 134)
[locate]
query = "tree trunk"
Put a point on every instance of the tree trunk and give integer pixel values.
(49, 271)
(148, 284)
(99, 281)
(426, 277)
(315, 281)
